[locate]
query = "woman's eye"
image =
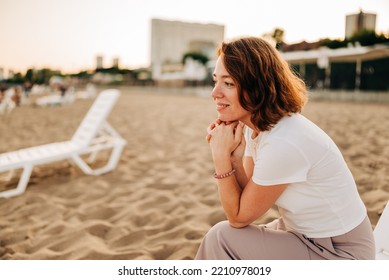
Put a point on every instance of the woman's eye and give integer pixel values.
(228, 84)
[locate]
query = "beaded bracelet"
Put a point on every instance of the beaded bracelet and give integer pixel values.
(222, 176)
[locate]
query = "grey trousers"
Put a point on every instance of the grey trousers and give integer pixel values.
(273, 242)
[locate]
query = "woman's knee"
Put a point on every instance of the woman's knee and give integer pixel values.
(223, 232)
(215, 242)
(220, 232)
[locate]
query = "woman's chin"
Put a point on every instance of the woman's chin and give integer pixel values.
(225, 119)
(222, 118)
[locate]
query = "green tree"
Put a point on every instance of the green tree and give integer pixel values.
(195, 56)
(364, 37)
(82, 75)
(368, 38)
(17, 78)
(333, 44)
(278, 36)
(29, 76)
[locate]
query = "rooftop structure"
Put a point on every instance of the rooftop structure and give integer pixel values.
(358, 22)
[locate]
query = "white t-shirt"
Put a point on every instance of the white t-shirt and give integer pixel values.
(321, 199)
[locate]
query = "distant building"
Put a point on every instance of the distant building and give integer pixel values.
(11, 74)
(354, 67)
(359, 22)
(99, 61)
(1, 74)
(170, 40)
(115, 62)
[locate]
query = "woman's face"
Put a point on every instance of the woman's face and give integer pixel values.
(225, 94)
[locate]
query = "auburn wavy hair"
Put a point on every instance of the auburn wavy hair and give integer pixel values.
(266, 85)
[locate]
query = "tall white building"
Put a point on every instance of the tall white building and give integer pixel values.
(170, 40)
(358, 22)
(115, 62)
(99, 61)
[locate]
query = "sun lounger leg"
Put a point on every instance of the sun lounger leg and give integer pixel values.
(113, 160)
(92, 157)
(21, 185)
(111, 164)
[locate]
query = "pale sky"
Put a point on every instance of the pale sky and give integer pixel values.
(69, 34)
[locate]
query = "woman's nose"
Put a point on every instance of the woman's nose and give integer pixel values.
(216, 92)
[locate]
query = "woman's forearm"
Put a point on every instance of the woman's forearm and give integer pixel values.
(240, 173)
(229, 189)
(227, 152)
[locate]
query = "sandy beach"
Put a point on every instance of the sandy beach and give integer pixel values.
(161, 199)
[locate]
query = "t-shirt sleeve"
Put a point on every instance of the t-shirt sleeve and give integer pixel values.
(279, 162)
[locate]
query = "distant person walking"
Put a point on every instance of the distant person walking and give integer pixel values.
(288, 162)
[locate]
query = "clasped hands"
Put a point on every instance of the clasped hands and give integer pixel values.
(226, 139)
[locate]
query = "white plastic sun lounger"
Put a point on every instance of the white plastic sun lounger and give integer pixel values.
(381, 235)
(57, 99)
(93, 135)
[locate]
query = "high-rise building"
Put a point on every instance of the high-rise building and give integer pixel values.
(170, 40)
(358, 22)
(115, 62)
(99, 61)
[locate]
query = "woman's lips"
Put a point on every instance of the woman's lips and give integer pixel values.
(221, 106)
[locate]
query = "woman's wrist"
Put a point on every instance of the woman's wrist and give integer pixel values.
(222, 164)
(220, 156)
(236, 161)
(237, 166)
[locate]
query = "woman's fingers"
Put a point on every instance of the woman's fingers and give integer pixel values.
(209, 131)
(233, 124)
(211, 127)
(239, 132)
(239, 129)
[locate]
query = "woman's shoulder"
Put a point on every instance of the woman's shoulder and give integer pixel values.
(299, 129)
(295, 122)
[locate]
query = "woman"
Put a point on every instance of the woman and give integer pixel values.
(287, 161)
